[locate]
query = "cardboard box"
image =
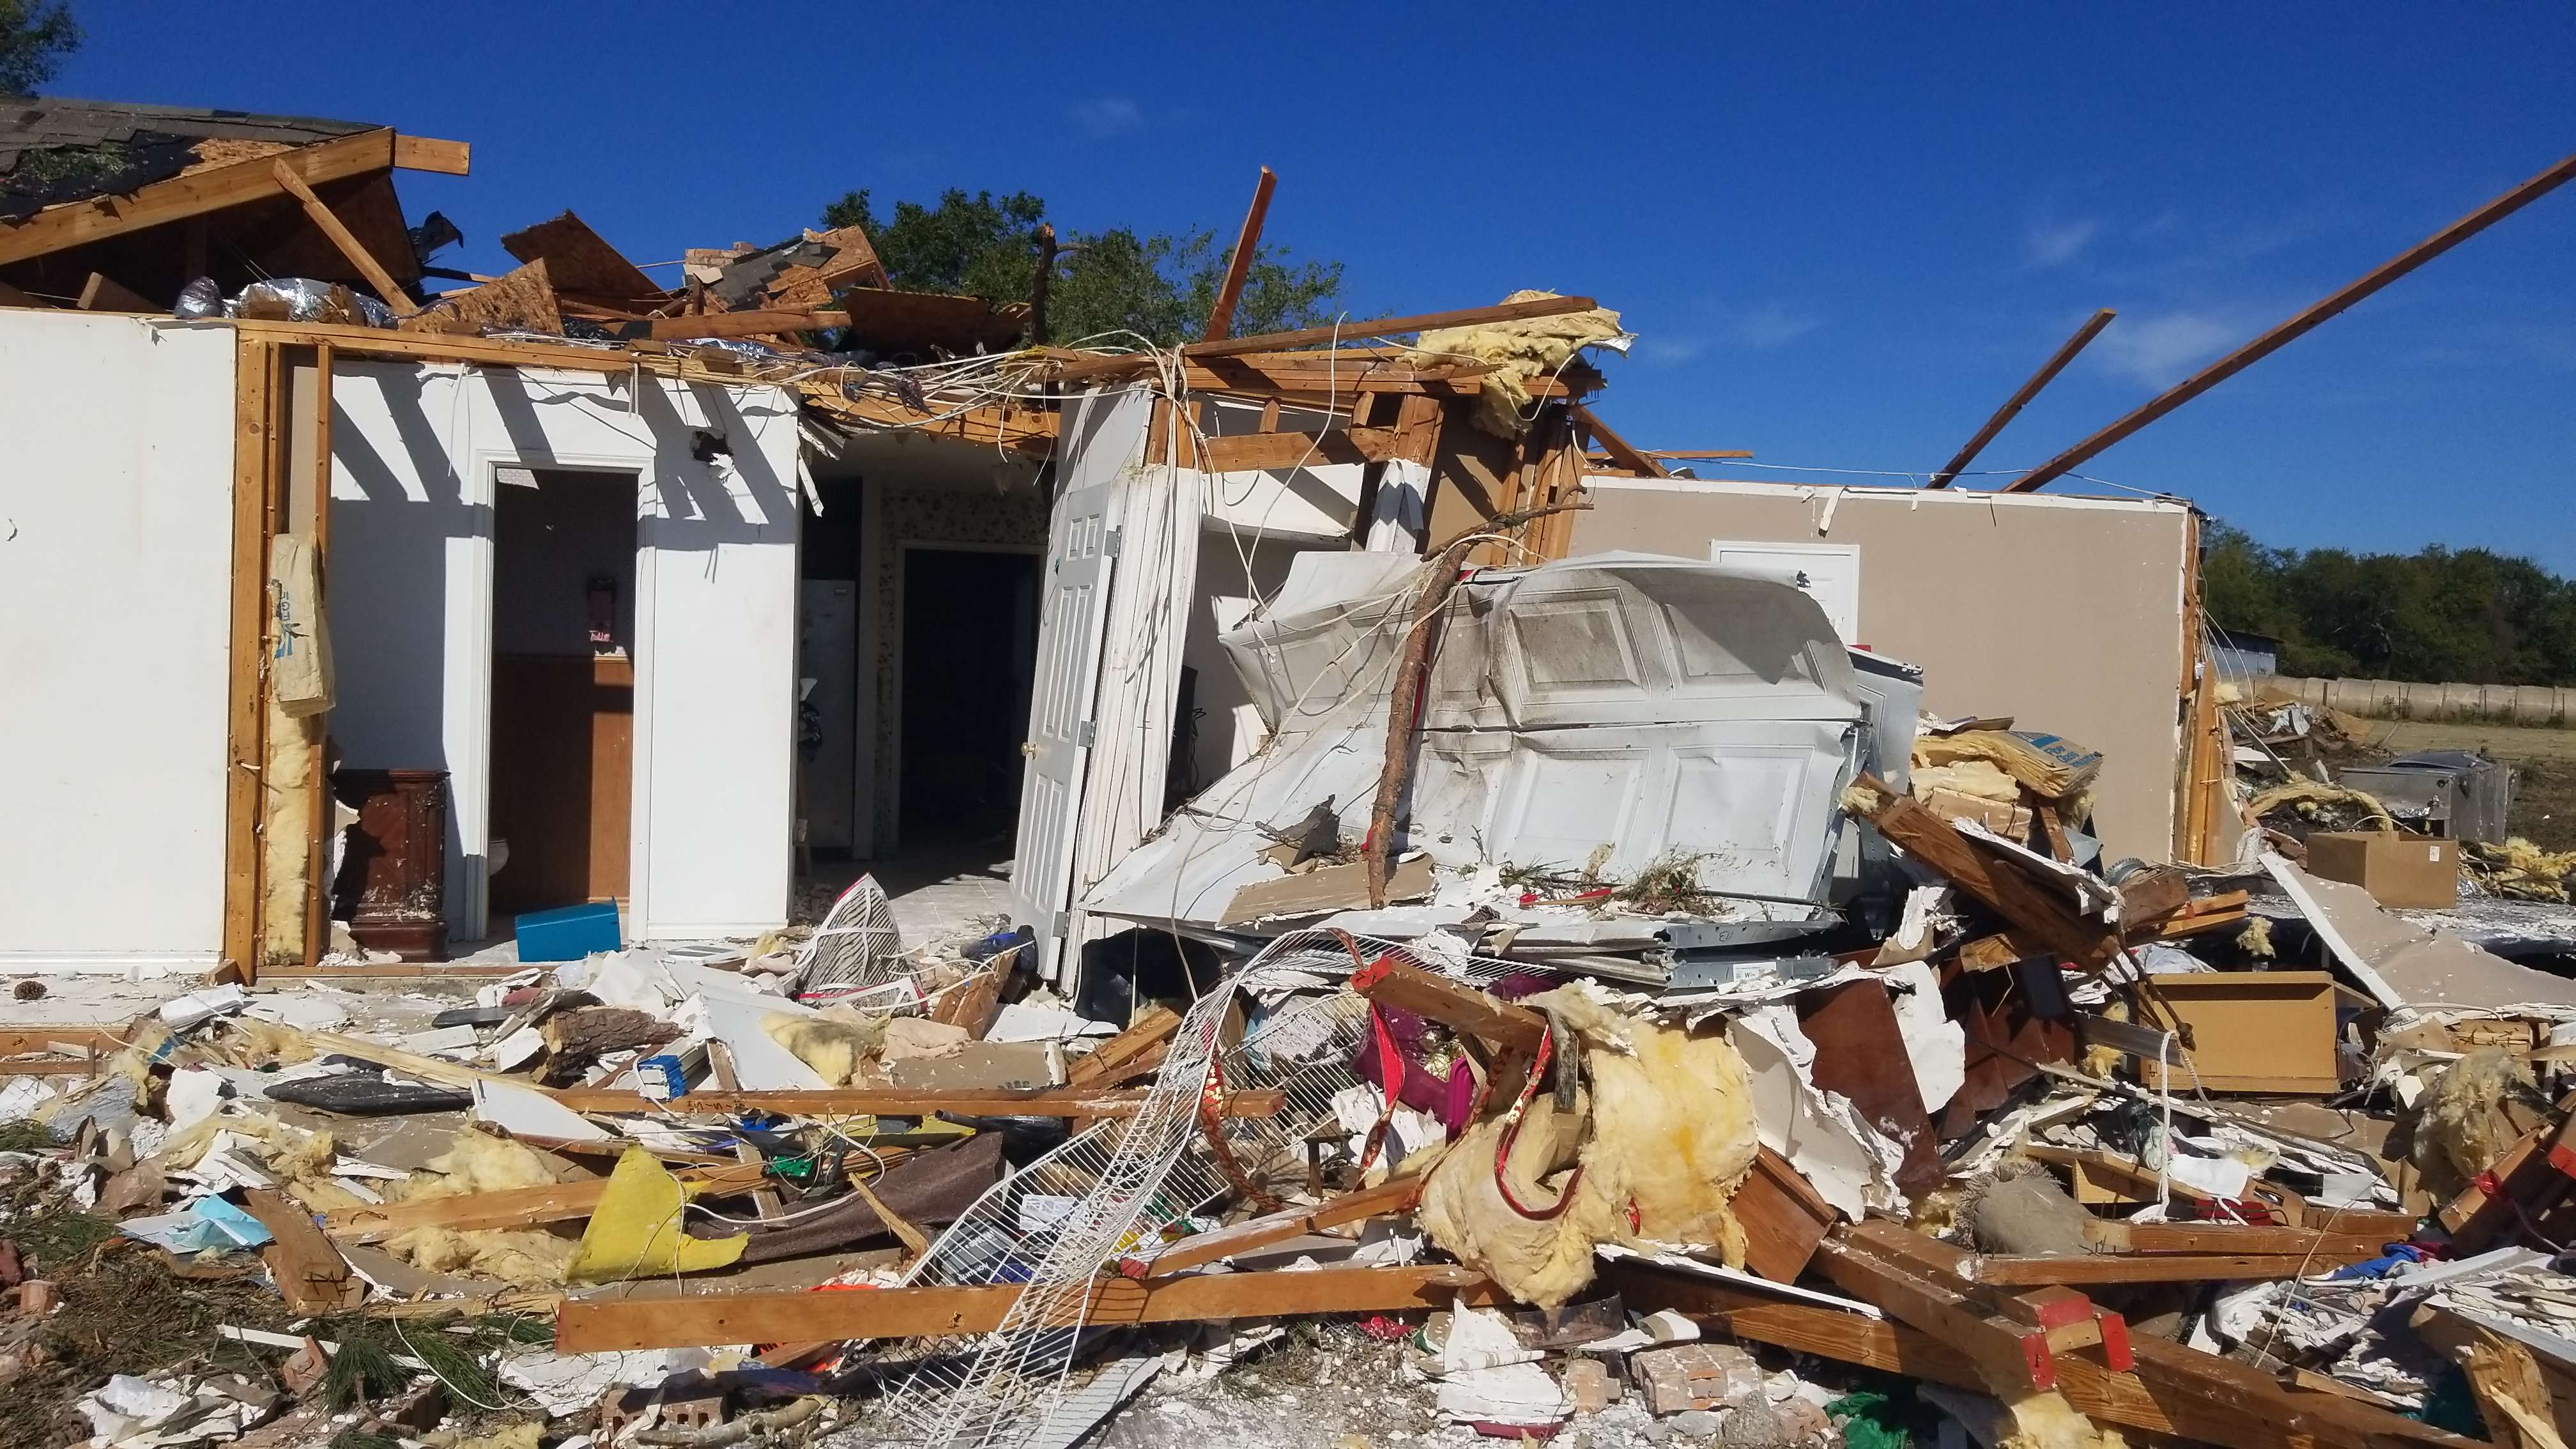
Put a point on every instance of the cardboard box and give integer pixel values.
(2003, 817)
(2412, 871)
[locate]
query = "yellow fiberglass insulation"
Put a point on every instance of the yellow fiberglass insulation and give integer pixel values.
(2461, 1126)
(1983, 779)
(1519, 351)
(474, 1163)
(2047, 1421)
(835, 1041)
(1664, 1132)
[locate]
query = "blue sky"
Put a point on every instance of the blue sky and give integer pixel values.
(1843, 234)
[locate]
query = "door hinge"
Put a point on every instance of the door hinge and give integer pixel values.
(1084, 732)
(1109, 542)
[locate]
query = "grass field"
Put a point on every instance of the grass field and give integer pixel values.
(2544, 761)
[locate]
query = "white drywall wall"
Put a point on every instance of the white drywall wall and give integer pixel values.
(415, 449)
(115, 574)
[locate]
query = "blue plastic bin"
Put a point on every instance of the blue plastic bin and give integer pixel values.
(569, 933)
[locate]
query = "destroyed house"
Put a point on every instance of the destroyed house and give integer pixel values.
(696, 596)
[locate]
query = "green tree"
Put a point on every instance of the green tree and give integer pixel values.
(1104, 283)
(35, 35)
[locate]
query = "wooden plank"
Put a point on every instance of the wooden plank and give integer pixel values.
(1454, 1004)
(522, 301)
(2332, 1245)
(428, 153)
(2298, 326)
(195, 193)
(376, 342)
(507, 1207)
(319, 810)
(2021, 397)
(1344, 332)
(596, 1325)
(2104, 1268)
(1247, 243)
(1618, 449)
(17, 1040)
(1278, 1227)
(350, 247)
(255, 375)
(2036, 912)
(101, 294)
(735, 324)
(311, 1275)
(1783, 1217)
(1919, 1300)
(1238, 451)
(1117, 1059)
(896, 1102)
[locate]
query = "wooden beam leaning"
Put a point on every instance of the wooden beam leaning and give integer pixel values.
(255, 379)
(350, 247)
(1246, 243)
(596, 1325)
(1344, 332)
(2036, 913)
(2298, 326)
(78, 223)
(1617, 447)
(2021, 397)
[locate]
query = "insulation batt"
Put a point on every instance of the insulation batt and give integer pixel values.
(2461, 1127)
(1664, 1128)
(1519, 351)
(481, 1163)
(835, 1041)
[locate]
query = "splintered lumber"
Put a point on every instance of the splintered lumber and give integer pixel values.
(1127, 1053)
(1341, 332)
(2298, 326)
(347, 241)
(2110, 1268)
(1247, 244)
(310, 1273)
(2037, 914)
(736, 324)
(1453, 1004)
(598, 1325)
(522, 301)
(2171, 1390)
(194, 193)
(1278, 1227)
(2022, 395)
(900, 1102)
(511, 1207)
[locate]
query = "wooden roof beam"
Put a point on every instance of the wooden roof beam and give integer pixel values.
(350, 247)
(2047, 374)
(1617, 447)
(1221, 316)
(428, 153)
(216, 188)
(2298, 326)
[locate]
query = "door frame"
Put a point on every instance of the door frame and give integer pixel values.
(904, 549)
(477, 632)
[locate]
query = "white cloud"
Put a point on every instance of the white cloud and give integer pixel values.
(2054, 244)
(1772, 325)
(2161, 351)
(1108, 116)
(1670, 350)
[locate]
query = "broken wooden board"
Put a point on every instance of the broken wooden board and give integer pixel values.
(2251, 1031)
(1454, 1004)
(311, 1275)
(1861, 1053)
(1324, 889)
(1244, 1237)
(900, 1102)
(597, 1325)
(2172, 1391)
(579, 259)
(1783, 1217)
(2037, 913)
(1127, 1053)
(522, 301)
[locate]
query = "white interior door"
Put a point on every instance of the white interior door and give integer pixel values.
(1082, 548)
(1830, 572)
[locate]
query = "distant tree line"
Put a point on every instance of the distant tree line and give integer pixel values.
(2441, 615)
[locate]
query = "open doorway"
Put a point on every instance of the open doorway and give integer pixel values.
(563, 688)
(970, 639)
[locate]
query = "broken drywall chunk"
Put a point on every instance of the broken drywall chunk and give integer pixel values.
(2406, 967)
(1935, 1046)
(1851, 1164)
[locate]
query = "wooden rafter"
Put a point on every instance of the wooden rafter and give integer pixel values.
(2047, 373)
(78, 223)
(350, 247)
(1617, 447)
(2299, 326)
(1099, 367)
(1246, 244)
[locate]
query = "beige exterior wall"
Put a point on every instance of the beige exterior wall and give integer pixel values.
(2063, 612)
